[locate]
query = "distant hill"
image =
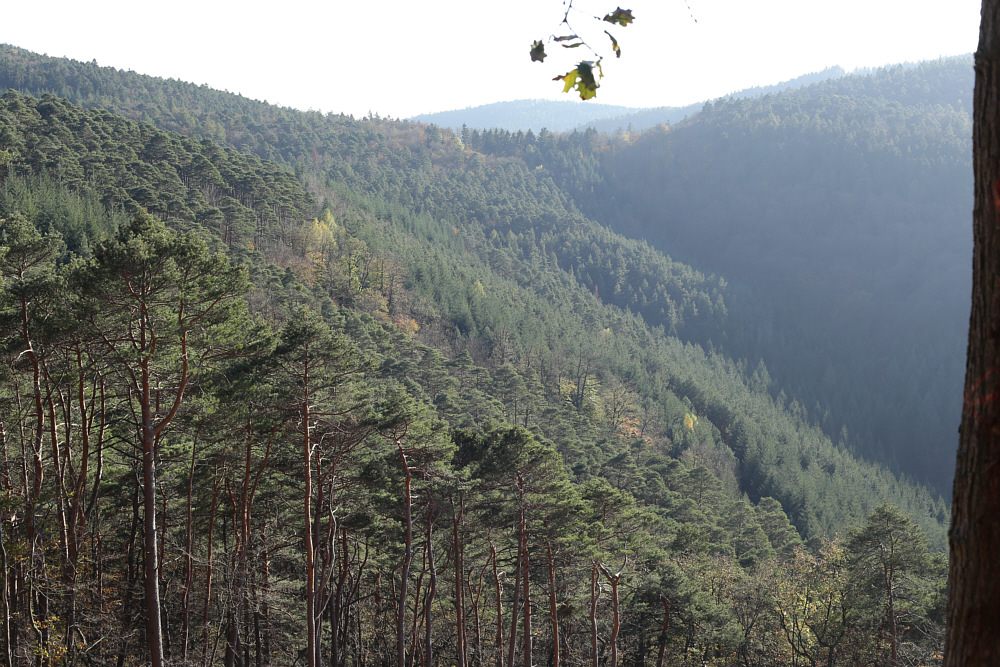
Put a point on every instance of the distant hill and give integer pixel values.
(526, 115)
(643, 119)
(565, 116)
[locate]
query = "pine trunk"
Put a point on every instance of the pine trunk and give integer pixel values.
(974, 577)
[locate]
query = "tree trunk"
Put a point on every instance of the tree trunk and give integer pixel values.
(526, 579)
(974, 576)
(208, 565)
(431, 589)
(663, 633)
(593, 615)
(404, 573)
(499, 601)
(154, 627)
(613, 579)
(307, 518)
(518, 573)
(460, 649)
(188, 560)
(553, 606)
(338, 602)
(8, 654)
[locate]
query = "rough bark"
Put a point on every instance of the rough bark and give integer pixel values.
(974, 576)
(666, 627)
(553, 606)
(460, 648)
(154, 636)
(404, 570)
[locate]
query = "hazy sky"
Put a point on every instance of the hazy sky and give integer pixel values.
(399, 58)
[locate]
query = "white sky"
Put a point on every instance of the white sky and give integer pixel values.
(399, 58)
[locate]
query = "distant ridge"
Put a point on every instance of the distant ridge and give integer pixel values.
(643, 119)
(565, 116)
(525, 115)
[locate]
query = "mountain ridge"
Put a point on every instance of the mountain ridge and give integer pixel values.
(565, 116)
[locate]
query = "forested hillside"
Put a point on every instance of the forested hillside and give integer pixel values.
(838, 214)
(404, 402)
(537, 115)
(524, 115)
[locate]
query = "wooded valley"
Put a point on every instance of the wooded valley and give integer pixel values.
(284, 387)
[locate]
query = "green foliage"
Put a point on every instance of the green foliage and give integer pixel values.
(438, 315)
(582, 78)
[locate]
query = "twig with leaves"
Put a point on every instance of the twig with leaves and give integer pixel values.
(585, 77)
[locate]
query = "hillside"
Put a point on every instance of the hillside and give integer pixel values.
(525, 115)
(536, 115)
(426, 350)
(838, 214)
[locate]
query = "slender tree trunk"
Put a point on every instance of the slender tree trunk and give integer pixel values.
(265, 589)
(475, 598)
(553, 608)
(460, 648)
(526, 579)
(338, 601)
(407, 560)
(127, 612)
(307, 517)
(518, 573)
(154, 626)
(613, 579)
(8, 653)
(974, 577)
(188, 560)
(209, 565)
(499, 599)
(663, 633)
(593, 615)
(431, 591)
(890, 596)
(415, 649)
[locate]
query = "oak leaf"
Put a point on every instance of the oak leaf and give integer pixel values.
(537, 51)
(620, 16)
(582, 79)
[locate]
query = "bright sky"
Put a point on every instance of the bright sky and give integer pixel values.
(398, 58)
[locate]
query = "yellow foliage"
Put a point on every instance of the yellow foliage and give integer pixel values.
(690, 421)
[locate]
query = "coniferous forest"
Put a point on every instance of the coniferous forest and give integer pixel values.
(284, 387)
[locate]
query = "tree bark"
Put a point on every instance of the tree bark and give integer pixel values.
(593, 615)
(499, 603)
(526, 579)
(432, 587)
(613, 579)
(974, 577)
(404, 570)
(553, 607)
(154, 635)
(666, 627)
(518, 573)
(460, 649)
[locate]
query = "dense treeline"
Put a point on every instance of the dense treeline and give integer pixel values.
(853, 268)
(402, 420)
(420, 189)
(304, 474)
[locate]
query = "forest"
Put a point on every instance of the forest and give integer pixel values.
(837, 213)
(283, 387)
